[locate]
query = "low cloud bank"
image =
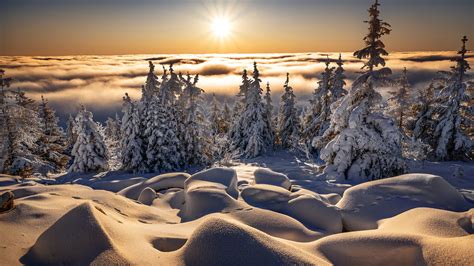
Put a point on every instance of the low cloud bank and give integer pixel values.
(100, 81)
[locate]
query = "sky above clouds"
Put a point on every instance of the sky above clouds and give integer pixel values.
(110, 27)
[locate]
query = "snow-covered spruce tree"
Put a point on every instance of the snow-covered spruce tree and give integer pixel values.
(256, 132)
(20, 132)
(89, 152)
(375, 48)
(236, 133)
(363, 143)
(338, 83)
(226, 118)
(131, 144)
(152, 84)
(112, 140)
(71, 135)
(10, 142)
(316, 117)
(215, 117)
(399, 102)
(149, 90)
(423, 124)
(163, 146)
(269, 113)
(198, 135)
(454, 113)
(288, 119)
(52, 142)
(112, 128)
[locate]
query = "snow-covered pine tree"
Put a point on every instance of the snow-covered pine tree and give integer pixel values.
(198, 134)
(288, 119)
(375, 48)
(10, 141)
(399, 102)
(257, 135)
(89, 152)
(52, 142)
(424, 121)
(316, 118)
(161, 132)
(226, 118)
(71, 135)
(338, 83)
(269, 113)
(363, 144)
(152, 84)
(172, 88)
(454, 114)
(131, 144)
(112, 129)
(21, 132)
(236, 132)
(215, 117)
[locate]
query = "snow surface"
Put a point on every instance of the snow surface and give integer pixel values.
(207, 218)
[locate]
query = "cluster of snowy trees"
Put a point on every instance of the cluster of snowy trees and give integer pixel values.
(30, 138)
(357, 133)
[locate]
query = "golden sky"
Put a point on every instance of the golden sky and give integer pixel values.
(106, 27)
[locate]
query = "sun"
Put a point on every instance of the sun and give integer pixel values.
(221, 27)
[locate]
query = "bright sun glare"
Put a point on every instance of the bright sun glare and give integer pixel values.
(221, 27)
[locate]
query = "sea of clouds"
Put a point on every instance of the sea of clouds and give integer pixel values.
(99, 82)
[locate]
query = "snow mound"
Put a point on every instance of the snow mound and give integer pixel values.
(431, 222)
(331, 198)
(313, 212)
(87, 243)
(223, 242)
(210, 191)
(366, 204)
(227, 177)
(267, 176)
(421, 236)
(157, 183)
(147, 196)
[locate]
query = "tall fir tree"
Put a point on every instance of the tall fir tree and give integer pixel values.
(271, 120)
(198, 135)
(236, 134)
(316, 116)
(52, 142)
(338, 83)
(71, 135)
(152, 84)
(226, 118)
(161, 132)
(132, 155)
(288, 119)
(21, 132)
(215, 117)
(375, 48)
(255, 128)
(361, 143)
(400, 101)
(453, 114)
